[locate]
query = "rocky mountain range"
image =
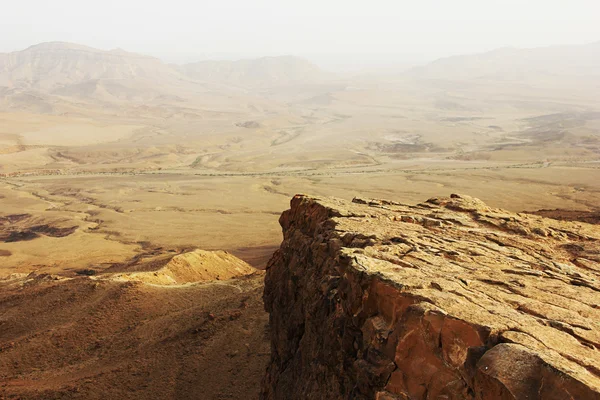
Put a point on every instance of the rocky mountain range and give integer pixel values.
(71, 70)
(520, 65)
(57, 65)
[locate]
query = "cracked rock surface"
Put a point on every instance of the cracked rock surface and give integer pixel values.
(448, 299)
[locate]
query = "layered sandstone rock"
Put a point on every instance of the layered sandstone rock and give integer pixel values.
(449, 299)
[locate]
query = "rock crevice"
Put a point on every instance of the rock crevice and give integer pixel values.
(448, 299)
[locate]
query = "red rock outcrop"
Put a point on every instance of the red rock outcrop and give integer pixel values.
(448, 299)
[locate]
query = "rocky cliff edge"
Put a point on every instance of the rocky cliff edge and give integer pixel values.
(448, 299)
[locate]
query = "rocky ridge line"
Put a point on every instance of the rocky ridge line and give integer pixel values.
(448, 299)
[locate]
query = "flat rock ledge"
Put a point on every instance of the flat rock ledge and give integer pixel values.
(447, 299)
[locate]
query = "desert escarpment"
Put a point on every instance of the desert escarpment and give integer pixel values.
(448, 299)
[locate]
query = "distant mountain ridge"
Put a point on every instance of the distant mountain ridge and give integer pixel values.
(43, 76)
(47, 66)
(55, 65)
(517, 64)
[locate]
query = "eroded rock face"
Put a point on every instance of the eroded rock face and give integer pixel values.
(449, 299)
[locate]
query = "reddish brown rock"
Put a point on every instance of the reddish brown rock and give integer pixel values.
(449, 299)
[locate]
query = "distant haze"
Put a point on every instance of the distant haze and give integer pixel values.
(336, 34)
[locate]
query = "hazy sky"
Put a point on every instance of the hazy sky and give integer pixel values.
(367, 31)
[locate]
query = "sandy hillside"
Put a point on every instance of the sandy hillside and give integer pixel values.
(98, 339)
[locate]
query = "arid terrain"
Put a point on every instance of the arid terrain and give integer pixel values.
(113, 163)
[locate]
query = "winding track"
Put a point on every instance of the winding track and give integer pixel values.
(294, 172)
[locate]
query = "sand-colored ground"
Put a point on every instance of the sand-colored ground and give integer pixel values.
(120, 216)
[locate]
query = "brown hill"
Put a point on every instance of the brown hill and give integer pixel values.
(191, 267)
(84, 338)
